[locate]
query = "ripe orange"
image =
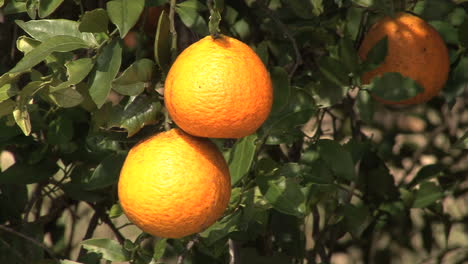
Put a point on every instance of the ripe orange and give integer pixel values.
(415, 50)
(173, 184)
(218, 88)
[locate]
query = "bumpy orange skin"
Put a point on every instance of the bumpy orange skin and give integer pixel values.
(415, 50)
(173, 184)
(218, 88)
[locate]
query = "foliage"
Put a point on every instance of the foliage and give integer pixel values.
(331, 173)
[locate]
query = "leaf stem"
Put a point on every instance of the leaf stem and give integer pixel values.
(172, 29)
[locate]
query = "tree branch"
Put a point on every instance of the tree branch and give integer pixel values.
(188, 247)
(32, 240)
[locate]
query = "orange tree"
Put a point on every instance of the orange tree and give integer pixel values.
(334, 175)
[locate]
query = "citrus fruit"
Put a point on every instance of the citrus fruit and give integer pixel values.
(173, 184)
(415, 50)
(218, 88)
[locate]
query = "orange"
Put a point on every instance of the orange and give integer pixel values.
(415, 50)
(173, 184)
(218, 88)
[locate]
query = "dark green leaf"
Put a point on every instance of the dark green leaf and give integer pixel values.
(333, 71)
(94, 21)
(303, 9)
(13, 200)
(77, 70)
(326, 93)
(125, 13)
(162, 42)
(21, 173)
(458, 80)
(53, 44)
(133, 79)
(364, 3)
(462, 33)
(107, 67)
(241, 158)
(376, 55)
(426, 173)
(47, 7)
(333, 154)
(448, 32)
(111, 250)
(60, 130)
(77, 192)
(393, 86)
(365, 105)
(353, 24)
(106, 173)
(348, 55)
(281, 89)
(433, 9)
(427, 194)
(357, 219)
(46, 28)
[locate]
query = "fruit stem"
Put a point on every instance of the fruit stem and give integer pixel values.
(215, 8)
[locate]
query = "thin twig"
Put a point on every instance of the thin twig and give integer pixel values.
(172, 29)
(105, 219)
(188, 247)
(89, 232)
(32, 240)
(233, 252)
(288, 34)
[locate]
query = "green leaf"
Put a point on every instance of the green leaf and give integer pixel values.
(7, 107)
(303, 9)
(21, 173)
(348, 55)
(115, 211)
(457, 82)
(221, 228)
(22, 119)
(69, 262)
(60, 130)
(333, 154)
(106, 173)
(159, 249)
(189, 13)
(241, 158)
(427, 194)
(393, 86)
(326, 93)
(66, 98)
(53, 44)
(357, 219)
(447, 31)
(14, 7)
(333, 71)
(139, 111)
(77, 70)
(462, 35)
(46, 28)
(26, 44)
(13, 200)
(125, 14)
(162, 42)
(281, 89)
(31, 8)
(376, 55)
(107, 67)
(111, 250)
(282, 191)
(426, 173)
(353, 22)
(363, 3)
(365, 104)
(133, 79)
(7, 91)
(47, 7)
(94, 21)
